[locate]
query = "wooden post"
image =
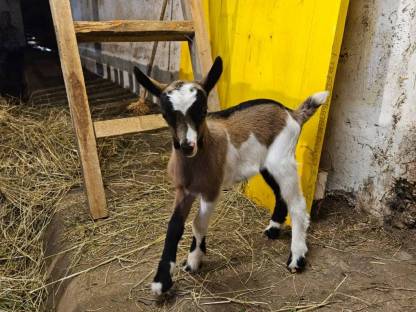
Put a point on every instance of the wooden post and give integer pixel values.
(78, 104)
(199, 46)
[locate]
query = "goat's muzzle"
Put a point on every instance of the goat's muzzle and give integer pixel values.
(189, 149)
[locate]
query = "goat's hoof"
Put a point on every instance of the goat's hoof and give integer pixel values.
(272, 233)
(159, 288)
(296, 265)
(163, 279)
(191, 267)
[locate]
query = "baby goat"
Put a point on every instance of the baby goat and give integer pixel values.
(213, 150)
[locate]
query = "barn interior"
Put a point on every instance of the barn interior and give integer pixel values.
(55, 257)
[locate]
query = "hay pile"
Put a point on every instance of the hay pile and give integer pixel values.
(38, 166)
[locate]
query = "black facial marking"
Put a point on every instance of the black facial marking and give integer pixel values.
(198, 110)
(176, 144)
(201, 142)
(280, 209)
(245, 105)
(167, 110)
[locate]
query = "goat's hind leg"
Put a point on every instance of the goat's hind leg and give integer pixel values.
(287, 178)
(279, 214)
(199, 228)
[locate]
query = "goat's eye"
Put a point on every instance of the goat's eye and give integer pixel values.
(192, 89)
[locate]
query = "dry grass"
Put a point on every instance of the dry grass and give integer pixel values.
(38, 166)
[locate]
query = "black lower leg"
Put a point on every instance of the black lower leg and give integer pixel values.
(202, 245)
(173, 236)
(280, 209)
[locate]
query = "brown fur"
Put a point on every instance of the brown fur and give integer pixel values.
(204, 172)
(305, 110)
(264, 121)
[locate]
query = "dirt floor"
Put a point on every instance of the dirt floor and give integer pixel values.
(353, 263)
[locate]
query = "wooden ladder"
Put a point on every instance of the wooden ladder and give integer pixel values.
(69, 33)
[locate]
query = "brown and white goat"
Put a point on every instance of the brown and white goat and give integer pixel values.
(215, 150)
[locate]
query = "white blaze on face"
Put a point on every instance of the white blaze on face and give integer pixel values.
(183, 98)
(191, 136)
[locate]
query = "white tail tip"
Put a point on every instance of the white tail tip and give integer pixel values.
(320, 97)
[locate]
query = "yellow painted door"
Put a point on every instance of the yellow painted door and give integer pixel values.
(283, 50)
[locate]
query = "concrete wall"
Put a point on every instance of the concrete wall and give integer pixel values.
(370, 145)
(116, 61)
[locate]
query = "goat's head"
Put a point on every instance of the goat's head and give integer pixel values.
(183, 105)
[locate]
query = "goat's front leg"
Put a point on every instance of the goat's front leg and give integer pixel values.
(199, 228)
(163, 279)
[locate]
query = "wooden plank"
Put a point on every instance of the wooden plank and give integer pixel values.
(113, 127)
(78, 104)
(133, 30)
(200, 47)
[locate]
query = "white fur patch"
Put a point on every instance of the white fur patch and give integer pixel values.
(183, 98)
(194, 259)
(273, 224)
(191, 135)
(282, 165)
(172, 267)
(283, 147)
(320, 97)
(244, 162)
(156, 288)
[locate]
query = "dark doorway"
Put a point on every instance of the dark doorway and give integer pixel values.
(28, 49)
(38, 24)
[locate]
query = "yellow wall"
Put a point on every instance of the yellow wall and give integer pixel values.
(283, 50)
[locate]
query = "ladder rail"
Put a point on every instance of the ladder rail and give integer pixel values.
(79, 107)
(133, 31)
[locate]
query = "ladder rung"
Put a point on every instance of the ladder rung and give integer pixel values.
(121, 126)
(133, 31)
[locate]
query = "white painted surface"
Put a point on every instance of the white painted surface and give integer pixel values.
(372, 121)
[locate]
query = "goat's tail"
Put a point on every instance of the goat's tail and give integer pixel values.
(310, 105)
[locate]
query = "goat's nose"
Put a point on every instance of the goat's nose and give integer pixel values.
(188, 148)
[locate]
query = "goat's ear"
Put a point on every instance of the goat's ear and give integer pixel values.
(148, 83)
(214, 74)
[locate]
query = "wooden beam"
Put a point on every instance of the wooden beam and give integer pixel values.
(78, 104)
(130, 31)
(113, 127)
(200, 47)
